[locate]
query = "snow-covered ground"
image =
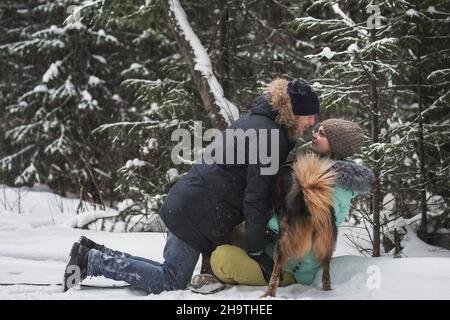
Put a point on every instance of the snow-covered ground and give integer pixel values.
(34, 246)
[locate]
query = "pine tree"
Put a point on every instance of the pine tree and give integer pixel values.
(425, 59)
(64, 93)
(358, 64)
(379, 72)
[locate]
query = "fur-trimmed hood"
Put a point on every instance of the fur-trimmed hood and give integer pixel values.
(276, 104)
(353, 176)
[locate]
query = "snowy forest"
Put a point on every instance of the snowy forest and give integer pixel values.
(91, 91)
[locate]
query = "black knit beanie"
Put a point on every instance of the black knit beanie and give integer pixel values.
(303, 98)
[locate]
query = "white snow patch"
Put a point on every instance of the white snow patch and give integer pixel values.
(40, 88)
(353, 48)
(328, 53)
(52, 72)
(431, 10)
(152, 144)
(317, 85)
(117, 98)
(99, 58)
(138, 163)
(125, 204)
(94, 81)
(412, 13)
(86, 217)
(134, 163)
(34, 247)
(172, 174)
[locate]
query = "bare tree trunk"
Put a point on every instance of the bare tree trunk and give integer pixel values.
(423, 190)
(224, 62)
(200, 82)
(376, 196)
(276, 15)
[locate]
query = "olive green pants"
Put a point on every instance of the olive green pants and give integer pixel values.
(231, 264)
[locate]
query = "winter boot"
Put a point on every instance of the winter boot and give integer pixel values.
(76, 268)
(90, 244)
(206, 284)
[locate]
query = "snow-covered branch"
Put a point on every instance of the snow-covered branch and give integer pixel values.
(200, 62)
(346, 19)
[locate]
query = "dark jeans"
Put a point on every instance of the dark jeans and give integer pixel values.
(174, 273)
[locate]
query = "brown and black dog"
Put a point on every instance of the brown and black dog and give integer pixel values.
(303, 201)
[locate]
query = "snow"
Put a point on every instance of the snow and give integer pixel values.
(81, 220)
(134, 163)
(152, 143)
(103, 37)
(317, 85)
(438, 72)
(346, 19)
(52, 72)
(129, 164)
(25, 176)
(86, 96)
(99, 58)
(77, 25)
(136, 68)
(117, 98)
(172, 174)
(125, 204)
(87, 101)
(353, 48)
(431, 10)
(138, 163)
(34, 247)
(328, 53)
(40, 88)
(203, 64)
(94, 81)
(412, 13)
(414, 247)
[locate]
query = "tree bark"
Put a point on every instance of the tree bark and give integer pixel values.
(421, 152)
(224, 62)
(376, 196)
(200, 82)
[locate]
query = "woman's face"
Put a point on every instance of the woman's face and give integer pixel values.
(319, 143)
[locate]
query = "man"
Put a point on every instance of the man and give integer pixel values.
(211, 199)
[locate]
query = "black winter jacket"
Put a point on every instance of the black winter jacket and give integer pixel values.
(211, 199)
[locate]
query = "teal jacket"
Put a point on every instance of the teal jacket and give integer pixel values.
(352, 179)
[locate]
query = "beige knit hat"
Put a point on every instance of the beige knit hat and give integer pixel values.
(345, 137)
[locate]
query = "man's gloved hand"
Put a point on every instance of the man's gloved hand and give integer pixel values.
(265, 262)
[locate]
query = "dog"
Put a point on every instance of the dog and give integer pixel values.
(302, 199)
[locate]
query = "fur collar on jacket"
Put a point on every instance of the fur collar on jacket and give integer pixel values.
(353, 176)
(278, 97)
